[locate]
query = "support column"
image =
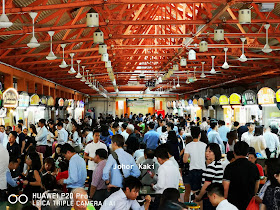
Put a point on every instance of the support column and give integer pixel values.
(21, 84)
(39, 89)
(8, 81)
(31, 87)
(46, 90)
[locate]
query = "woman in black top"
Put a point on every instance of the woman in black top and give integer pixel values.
(173, 144)
(32, 180)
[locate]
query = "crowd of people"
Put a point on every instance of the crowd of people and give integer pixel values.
(139, 162)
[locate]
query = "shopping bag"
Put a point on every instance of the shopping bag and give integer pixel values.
(253, 205)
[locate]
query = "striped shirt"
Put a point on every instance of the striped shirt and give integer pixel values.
(213, 173)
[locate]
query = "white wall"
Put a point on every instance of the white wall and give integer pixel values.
(103, 106)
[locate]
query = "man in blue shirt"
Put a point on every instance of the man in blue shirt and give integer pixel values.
(77, 168)
(151, 138)
(214, 136)
(112, 172)
(223, 130)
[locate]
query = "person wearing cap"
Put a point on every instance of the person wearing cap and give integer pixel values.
(132, 142)
(151, 138)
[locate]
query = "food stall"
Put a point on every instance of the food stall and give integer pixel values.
(35, 111)
(79, 110)
(214, 108)
(197, 110)
(249, 101)
(238, 110)
(200, 103)
(224, 102)
(50, 108)
(270, 112)
(21, 110)
(10, 103)
(70, 108)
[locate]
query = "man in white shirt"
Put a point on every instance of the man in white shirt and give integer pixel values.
(247, 136)
(62, 137)
(272, 140)
(215, 193)
(41, 137)
(124, 133)
(168, 174)
(204, 125)
(90, 152)
(3, 136)
(195, 150)
(125, 198)
(4, 162)
(160, 123)
(88, 135)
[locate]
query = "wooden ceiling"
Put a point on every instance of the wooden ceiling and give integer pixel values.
(145, 36)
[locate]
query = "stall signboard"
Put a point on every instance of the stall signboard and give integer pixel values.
(249, 97)
(190, 102)
(186, 103)
(278, 96)
(50, 101)
(174, 104)
(66, 103)
(140, 103)
(266, 96)
(168, 104)
(60, 102)
(195, 101)
(214, 101)
(80, 104)
(34, 100)
(223, 100)
(71, 103)
(179, 104)
(235, 99)
(44, 100)
(200, 102)
(183, 103)
(23, 99)
(10, 98)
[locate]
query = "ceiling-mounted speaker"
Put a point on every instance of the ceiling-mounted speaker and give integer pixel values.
(192, 55)
(92, 18)
(183, 62)
(266, 7)
(102, 48)
(98, 37)
(244, 16)
(203, 46)
(219, 34)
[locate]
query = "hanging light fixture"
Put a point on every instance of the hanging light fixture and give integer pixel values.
(79, 76)
(63, 64)
(219, 34)
(83, 77)
(105, 57)
(175, 67)
(203, 46)
(202, 74)
(178, 85)
(108, 64)
(159, 80)
(174, 87)
(183, 62)
(4, 20)
(98, 37)
(194, 77)
(87, 82)
(244, 16)
(33, 42)
(192, 55)
(213, 69)
(92, 18)
(51, 56)
(243, 56)
(72, 70)
(225, 65)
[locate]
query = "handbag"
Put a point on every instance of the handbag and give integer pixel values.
(253, 205)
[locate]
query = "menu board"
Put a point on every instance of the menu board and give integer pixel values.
(214, 101)
(34, 100)
(10, 98)
(223, 100)
(278, 96)
(266, 96)
(249, 97)
(235, 99)
(23, 99)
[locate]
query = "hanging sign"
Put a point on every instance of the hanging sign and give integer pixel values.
(195, 101)
(223, 100)
(214, 101)
(235, 99)
(278, 96)
(200, 102)
(249, 97)
(34, 100)
(140, 103)
(10, 98)
(71, 103)
(44, 100)
(23, 99)
(60, 102)
(50, 101)
(266, 96)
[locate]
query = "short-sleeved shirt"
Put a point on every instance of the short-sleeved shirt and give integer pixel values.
(97, 180)
(213, 173)
(21, 138)
(242, 176)
(14, 150)
(271, 198)
(91, 149)
(196, 150)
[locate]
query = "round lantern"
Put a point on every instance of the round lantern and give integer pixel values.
(92, 18)
(192, 55)
(102, 49)
(183, 62)
(203, 46)
(244, 16)
(98, 37)
(218, 34)
(105, 57)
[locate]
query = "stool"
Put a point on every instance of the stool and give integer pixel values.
(193, 207)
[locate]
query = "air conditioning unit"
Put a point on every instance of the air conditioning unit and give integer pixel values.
(266, 7)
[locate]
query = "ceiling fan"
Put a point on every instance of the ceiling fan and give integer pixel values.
(4, 20)
(51, 55)
(33, 42)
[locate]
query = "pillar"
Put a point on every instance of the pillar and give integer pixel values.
(8, 81)
(21, 85)
(46, 90)
(39, 89)
(31, 87)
